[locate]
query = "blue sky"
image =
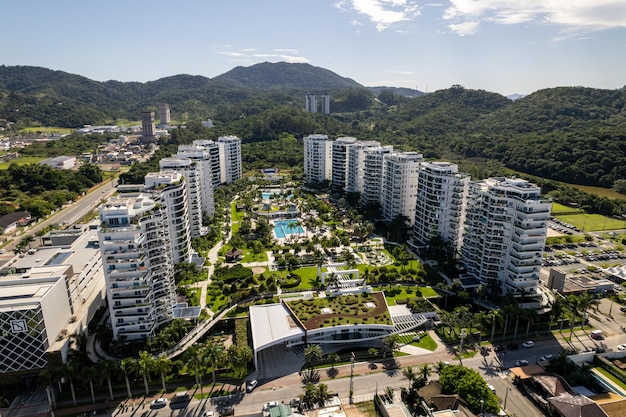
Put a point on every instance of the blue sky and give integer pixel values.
(505, 46)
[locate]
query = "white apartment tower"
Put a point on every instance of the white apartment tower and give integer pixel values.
(373, 174)
(138, 268)
(440, 204)
(356, 165)
(164, 115)
(317, 158)
(325, 104)
(399, 185)
(170, 189)
(192, 172)
(505, 234)
(230, 159)
(340, 162)
(205, 154)
(310, 103)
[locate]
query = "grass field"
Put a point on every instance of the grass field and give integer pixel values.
(41, 129)
(21, 161)
(592, 222)
(560, 208)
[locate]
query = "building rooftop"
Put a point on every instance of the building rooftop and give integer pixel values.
(270, 323)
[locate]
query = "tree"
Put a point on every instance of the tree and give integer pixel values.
(495, 317)
(312, 355)
(214, 354)
(333, 358)
(128, 365)
(162, 365)
(105, 368)
(409, 374)
(195, 362)
(391, 344)
(145, 364)
(425, 371)
(88, 373)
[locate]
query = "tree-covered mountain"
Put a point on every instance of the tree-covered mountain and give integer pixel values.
(572, 134)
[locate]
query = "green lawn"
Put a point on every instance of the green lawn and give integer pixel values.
(609, 376)
(42, 129)
(592, 222)
(21, 161)
(407, 292)
(560, 208)
(254, 257)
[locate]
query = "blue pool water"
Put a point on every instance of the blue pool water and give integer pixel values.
(281, 229)
(268, 194)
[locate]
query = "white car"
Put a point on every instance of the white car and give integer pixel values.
(528, 344)
(521, 362)
(209, 413)
(159, 402)
(252, 385)
(621, 347)
(269, 405)
(491, 388)
(546, 357)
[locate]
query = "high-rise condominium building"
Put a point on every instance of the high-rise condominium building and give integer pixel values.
(317, 158)
(373, 164)
(191, 171)
(356, 165)
(505, 233)
(325, 104)
(399, 185)
(164, 115)
(340, 162)
(205, 153)
(230, 159)
(440, 204)
(148, 127)
(141, 238)
(310, 103)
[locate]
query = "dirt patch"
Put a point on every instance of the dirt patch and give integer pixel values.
(380, 309)
(256, 270)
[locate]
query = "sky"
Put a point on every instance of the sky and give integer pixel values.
(503, 46)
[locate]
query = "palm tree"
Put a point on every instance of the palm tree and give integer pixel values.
(67, 372)
(556, 313)
(425, 371)
(322, 394)
(104, 368)
(194, 361)
(312, 355)
(480, 318)
(214, 354)
(333, 358)
(162, 365)
(391, 344)
(531, 316)
(144, 366)
(495, 317)
(128, 365)
(584, 302)
(47, 377)
(409, 374)
(572, 304)
(88, 373)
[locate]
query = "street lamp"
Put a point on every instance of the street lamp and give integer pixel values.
(351, 376)
(482, 408)
(463, 334)
(506, 396)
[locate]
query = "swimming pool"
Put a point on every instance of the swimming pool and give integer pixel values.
(268, 194)
(282, 229)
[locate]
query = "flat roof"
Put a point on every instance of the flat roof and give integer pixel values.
(18, 293)
(271, 323)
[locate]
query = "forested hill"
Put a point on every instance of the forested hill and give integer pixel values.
(573, 134)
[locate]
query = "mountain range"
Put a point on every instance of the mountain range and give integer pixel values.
(573, 134)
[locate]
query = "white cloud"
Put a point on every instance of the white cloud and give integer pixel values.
(571, 16)
(383, 13)
(232, 54)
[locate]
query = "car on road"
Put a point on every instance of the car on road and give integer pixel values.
(622, 309)
(252, 385)
(209, 413)
(499, 348)
(621, 347)
(491, 388)
(269, 405)
(546, 357)
(158, 403)
(521, 362)
(528, 344)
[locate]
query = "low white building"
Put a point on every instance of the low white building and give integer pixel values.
(60, 162)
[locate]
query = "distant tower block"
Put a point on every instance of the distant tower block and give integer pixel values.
(148, 127)
(325, 104)
(164, 115)
(311, 103)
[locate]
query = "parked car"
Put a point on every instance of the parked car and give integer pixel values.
(528, 344)
(499, 348)
(158, 403)
(621, 347)
(521, 362)
(491, 388)
(209, 413)
(252, 385)
(546, 357)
